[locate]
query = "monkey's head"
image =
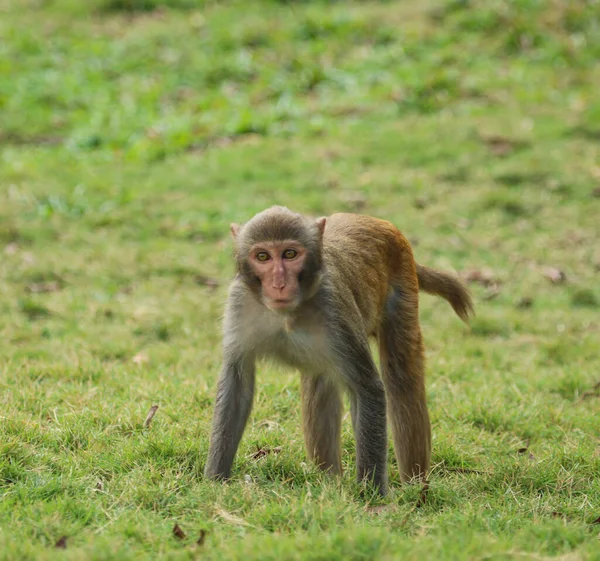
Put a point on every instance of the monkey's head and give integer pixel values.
(278, 255)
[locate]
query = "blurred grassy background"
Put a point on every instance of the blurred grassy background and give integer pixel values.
(132, 132)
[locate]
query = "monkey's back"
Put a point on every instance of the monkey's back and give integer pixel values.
(369, 255)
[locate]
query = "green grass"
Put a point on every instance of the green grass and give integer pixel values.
(132, 132)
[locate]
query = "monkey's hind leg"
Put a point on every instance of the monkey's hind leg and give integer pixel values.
(322, 421)
(403, 372)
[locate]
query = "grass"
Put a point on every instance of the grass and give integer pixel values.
(132, 132)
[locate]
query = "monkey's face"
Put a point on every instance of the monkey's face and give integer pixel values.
(279, 257)
(278, 266)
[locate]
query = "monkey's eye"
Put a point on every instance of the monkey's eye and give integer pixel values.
(263, 256)
(289, 253)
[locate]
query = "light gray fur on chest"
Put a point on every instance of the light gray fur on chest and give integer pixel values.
(300, 343)
(296, 347)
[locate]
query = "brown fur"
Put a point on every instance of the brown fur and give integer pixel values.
(359, 280)
(448, 287)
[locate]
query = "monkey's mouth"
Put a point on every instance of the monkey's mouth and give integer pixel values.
(282, 303)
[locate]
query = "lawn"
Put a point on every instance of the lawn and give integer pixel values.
(132, 132)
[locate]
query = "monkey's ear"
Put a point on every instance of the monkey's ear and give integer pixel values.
(235, 230)
(321, 224)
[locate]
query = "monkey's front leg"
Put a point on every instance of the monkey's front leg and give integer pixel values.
(371, 436)
(367, 397)
(235, 393)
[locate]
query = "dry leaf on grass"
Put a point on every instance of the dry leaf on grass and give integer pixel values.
(526, 451)
(420, 202)
(262, 452)
(140, 358)
(525, 303)
(231, 518)
(355, 200)
(40, 287)
(206, 281)
(178, 532)
(501, 145)
(11, 249)
(484, 277)
(150, 416)
(269, 425)
(377, 509)
(591, 393)
(492, 292)
(554, 275)
(61, 543)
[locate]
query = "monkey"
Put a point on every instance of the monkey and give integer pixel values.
(310, 293)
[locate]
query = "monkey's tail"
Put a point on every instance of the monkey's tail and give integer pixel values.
(449, 287)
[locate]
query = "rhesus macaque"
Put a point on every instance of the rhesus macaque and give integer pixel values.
(310, 293)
